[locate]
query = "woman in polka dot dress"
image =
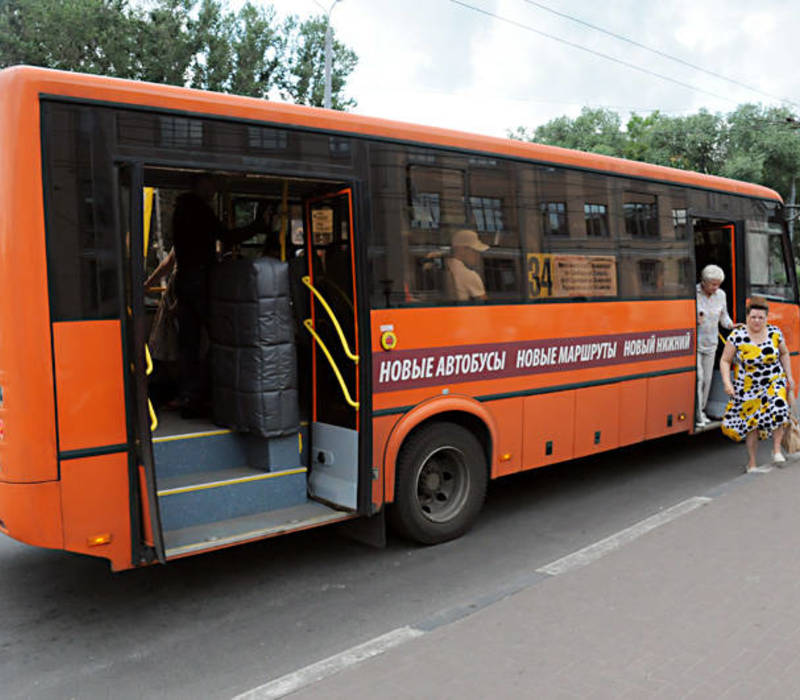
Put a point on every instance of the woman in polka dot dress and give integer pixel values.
(759, 403)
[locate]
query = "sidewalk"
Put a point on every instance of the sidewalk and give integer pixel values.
(705, 606)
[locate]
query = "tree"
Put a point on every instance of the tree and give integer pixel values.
(595, 130)
(304, 82)
(763, 147)
(202, 43)
(753, 143)
(165, 41)
(91, 36)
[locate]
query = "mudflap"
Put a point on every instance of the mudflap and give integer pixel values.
(370, 530)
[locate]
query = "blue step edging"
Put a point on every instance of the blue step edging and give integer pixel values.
(187, 454)
(204, 504)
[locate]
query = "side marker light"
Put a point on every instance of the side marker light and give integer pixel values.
(97, 540)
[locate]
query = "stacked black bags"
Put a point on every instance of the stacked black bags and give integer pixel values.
(253, 355)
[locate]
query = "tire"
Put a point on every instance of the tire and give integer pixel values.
(440, 484)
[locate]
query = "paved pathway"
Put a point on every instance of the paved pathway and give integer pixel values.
(705, 605)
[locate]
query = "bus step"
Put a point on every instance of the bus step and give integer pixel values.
(206, 497)
(188, 540)
(183, 454)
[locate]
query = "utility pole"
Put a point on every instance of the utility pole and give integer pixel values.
(328, 52)
(792, 207)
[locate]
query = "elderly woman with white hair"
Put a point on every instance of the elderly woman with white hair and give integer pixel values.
(712, 312)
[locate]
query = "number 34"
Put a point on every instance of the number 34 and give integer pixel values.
(540, 279)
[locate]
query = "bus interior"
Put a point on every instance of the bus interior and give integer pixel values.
(714, 243)
(216, 481)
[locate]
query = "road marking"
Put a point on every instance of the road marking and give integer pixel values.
(599, 549)
(330, 666)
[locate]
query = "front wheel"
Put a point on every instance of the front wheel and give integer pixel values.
(440, 484)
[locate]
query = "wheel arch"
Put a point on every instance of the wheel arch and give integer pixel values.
(462, 410)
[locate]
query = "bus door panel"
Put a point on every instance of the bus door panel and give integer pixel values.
(722, 243)
(334, 355)
(141, 418)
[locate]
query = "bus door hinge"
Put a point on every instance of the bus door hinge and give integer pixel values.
(376, 473)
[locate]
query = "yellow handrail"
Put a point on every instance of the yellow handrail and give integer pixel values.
(345, 346)
(148, 371)
(310, 327)
(153, 418)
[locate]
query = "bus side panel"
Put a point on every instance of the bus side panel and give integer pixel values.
(508, 418)
(90, 391)
(383, 486)
(27, 411)
(95, 502)
(31, 513)
(548, 429)
(670, 402)
(596, 419)
(787, 318)
(633, 411)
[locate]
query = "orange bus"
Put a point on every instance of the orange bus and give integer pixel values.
(454, 308)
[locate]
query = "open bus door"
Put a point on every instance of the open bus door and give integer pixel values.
(334, 353)
(722, 243)
(141, 418)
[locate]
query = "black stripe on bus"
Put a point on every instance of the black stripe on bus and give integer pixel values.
(533, 160)
(549, 389)
(93, 451)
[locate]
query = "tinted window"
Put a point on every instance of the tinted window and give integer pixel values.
(641, 215)
(82, 239)
(655, 257)
(768, 260)
(80, 144)
(445, 228)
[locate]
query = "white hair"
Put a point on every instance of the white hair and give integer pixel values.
(712, 273)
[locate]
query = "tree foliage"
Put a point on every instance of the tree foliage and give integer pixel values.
(755, 143)
(201, 43)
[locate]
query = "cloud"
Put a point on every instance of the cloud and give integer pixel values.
(436, 62)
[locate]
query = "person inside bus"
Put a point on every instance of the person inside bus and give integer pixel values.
(195, 231)
(712, 312)
(463, 265)
(762, 391)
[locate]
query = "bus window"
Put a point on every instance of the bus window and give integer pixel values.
(655, 255)
(767, 261)
(422, 198)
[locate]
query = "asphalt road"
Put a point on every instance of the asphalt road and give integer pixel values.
(219, 624)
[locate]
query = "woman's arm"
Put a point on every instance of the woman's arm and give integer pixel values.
(162, 270)
(725, 367)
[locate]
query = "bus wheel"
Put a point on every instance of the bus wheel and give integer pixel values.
(440, 484)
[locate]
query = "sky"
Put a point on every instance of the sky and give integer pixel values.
(440, 63)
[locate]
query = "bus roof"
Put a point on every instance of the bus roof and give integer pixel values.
(21, 80)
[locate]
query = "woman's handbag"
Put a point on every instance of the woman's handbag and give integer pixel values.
(791, 436)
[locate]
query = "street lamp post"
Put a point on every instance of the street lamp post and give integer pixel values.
(328, 52)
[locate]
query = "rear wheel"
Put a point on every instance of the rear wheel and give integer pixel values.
(440, 484)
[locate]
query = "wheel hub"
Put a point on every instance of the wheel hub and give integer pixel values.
(442, 484)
